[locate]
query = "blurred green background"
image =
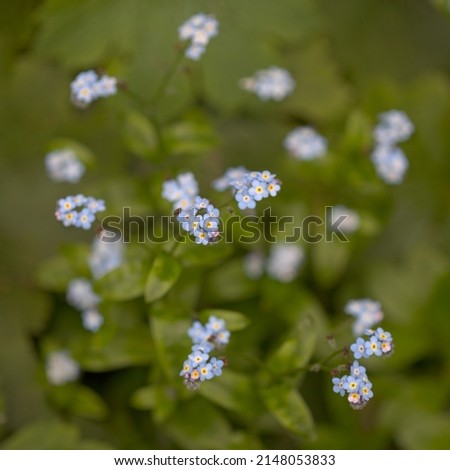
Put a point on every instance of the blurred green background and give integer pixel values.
(351, 59)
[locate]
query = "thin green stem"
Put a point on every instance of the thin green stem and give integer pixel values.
(161, 89)
(321, 365)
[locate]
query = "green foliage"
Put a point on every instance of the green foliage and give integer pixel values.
(351, 60)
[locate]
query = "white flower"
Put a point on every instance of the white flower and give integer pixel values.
(105, 256)
(80, 294)
(88, 86)
(390, 163)
(305, 143)
(284, 262)
(272, 83)
(64, 165)
(92, 320)
(254, 264)
(61, 368)
(394, 127)
(367, 313)
(350, 223)
(199, 28)
(181, 191)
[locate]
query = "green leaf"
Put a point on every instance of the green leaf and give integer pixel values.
(144, 398)
(128, 347)
(162, 276)
(234, 391)
(123, 283)
(199, 425)
(194, 135)
(43, 435)
(235, 321)
(54, 274)
(159, 398)
(297, 349)
(288, 406)
(329, 261)
(139, 135)
(79, 400)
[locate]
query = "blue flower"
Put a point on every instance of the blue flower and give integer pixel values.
(203, 347)
(338, 385)
(201, 203)
(304, 143)
(198, 358)
(212, 211)
(69, 218)
(187, 368)
(201, 237)
(227, 180)
(216, 366)
(85, 219)
(273, 188)
(249, 186)
(258, 190)
(197, 333)
(245, 200)
(357, 370)
(351, 384)
(95, 205)
(215, 325)
(373, 347)
(206, 372)
(365, 390)
(359, 349)
(383, 335)
(199, 366)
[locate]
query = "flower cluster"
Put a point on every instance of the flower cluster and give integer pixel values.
(357, 386)
(201, 220)
(64, 165)
(379, 344)
(105, 256)
(389, 160)
(181, 191)
(350, 219)
(199, 28)
(304, 143)
(200, 366)
(273, 83)
(78, 210)
(81, 296)
(61, 368)
(367, 313)
(88, 86)
(250, 186)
